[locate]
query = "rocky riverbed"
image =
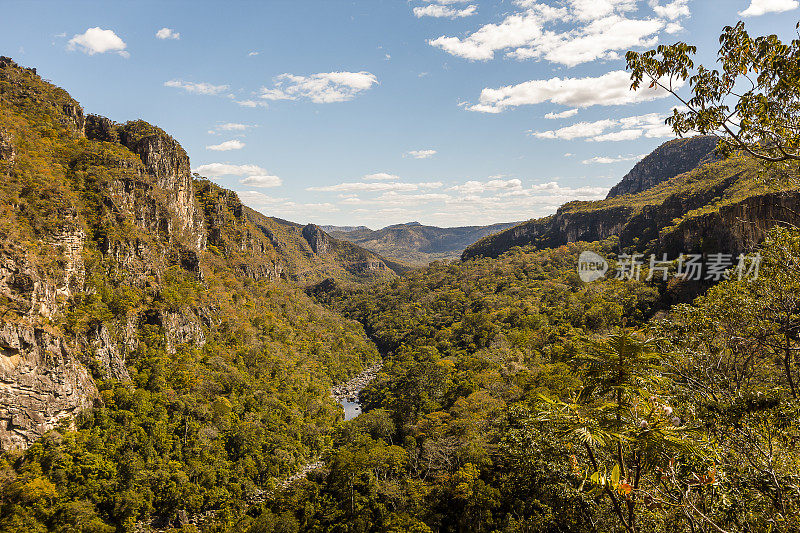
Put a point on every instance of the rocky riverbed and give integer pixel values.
(348, 391)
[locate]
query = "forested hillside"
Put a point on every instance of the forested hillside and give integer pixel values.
(153, 322)
(167, 353)
(723, 205)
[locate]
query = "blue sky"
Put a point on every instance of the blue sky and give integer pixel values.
(375, 112)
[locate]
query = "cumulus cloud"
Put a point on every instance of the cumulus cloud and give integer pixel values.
(167, 33)
(671, 11)
(98, 41)
(605, 160)
(262, 180)
(321, 88)
(574, 32)
(375, 187)
(474, 187)
(420, 154)
(250, 103)
(612, 88)
(234, 126)
(443, 11)
(380, 176)
(563, 114)
(197, 88)
(226, 146)
(650, 125)
(258, 198)
(217, 170)
(494, 199)
(762, 7)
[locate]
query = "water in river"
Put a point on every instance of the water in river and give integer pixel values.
(347, 393)
(351, 409)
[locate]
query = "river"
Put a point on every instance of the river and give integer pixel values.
(347, 393)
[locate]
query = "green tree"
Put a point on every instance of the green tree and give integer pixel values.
(751, 101)
(634, 445)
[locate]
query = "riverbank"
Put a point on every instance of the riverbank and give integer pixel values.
(349, 390)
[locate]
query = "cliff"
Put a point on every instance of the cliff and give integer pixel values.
(665, 162)
(110, 249)
(665, 217)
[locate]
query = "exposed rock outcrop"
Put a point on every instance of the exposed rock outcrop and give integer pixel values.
(665, 162)
(317, 239)
(41, 384)
(168, 163)
(6, 146)
(99, 128)
(736, 228)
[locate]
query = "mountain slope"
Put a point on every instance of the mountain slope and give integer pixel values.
(665, 162)
(116, 265)
(416, 244)
(719, 206)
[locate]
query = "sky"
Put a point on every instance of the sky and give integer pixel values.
(378, 112)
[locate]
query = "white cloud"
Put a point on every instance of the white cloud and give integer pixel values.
(622, 135)
(761, 7)
(265, 180)
(321, 88)
(577, 131)
(167, 33)
(650, 125)
(494, 199)
(671, 11)
(216, 170)
(258, 198)
(575, 32)
(234, 126)
(604, 160)
(375, 187)
(253, 53)
(197, 88)
(673, 27)
(515, 31)
(420, 154)
(440, 11)
(251, 103)
(563, 114)
(612, 88)
(98, 41)
(380, 176)
(474, 187)
(226, 146)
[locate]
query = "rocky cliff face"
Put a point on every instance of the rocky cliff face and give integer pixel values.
(165, 161)
(6, 146)
(736, 228)
(665, 162)
(316, 238)
(78, 220)
(647, 220)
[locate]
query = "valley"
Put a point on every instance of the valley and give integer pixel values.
(415, 244)
(173, 358)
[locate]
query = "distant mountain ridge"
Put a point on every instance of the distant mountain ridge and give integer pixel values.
(414, 243)
(712, 206)
(109, 244)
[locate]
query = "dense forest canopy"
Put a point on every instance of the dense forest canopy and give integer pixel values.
(514, 396)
